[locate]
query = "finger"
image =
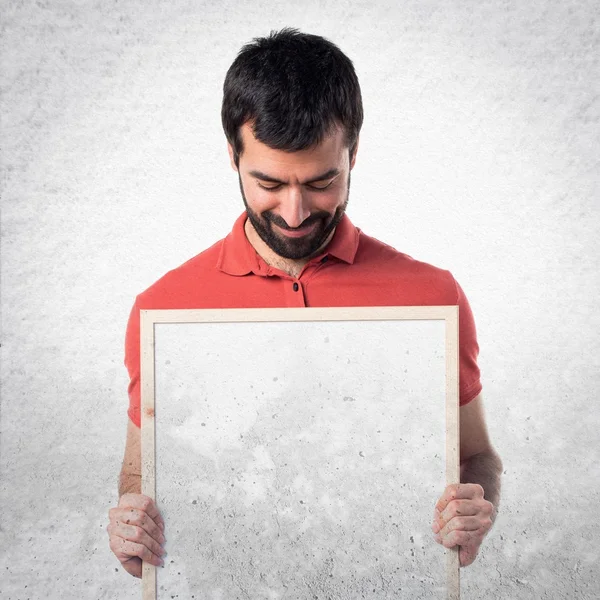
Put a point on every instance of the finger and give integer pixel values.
(125, 550)
(457, 491)
(458, 537)
(137, 517)
(143, 520)
(138, 535)
(461, 524)
(459, 508)
(145, 504)
(455, 508)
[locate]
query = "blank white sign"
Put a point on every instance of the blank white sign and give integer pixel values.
(300, 460)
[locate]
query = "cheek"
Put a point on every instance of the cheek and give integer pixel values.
(334, 200)
(259, 200)
(263, 201)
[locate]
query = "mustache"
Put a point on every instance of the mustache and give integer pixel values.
(279, 221)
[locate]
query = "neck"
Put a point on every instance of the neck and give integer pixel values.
(290, 266)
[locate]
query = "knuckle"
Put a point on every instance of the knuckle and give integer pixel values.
(134, 549)
(478, 489)
(124, 500)
(133, 518)
(452, 510)
(114, 514)
(116, 544)
(463, 537)
(457, 508)
(145, 503)
(145, 554)
(448, 527)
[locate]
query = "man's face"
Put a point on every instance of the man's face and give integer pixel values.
(294, 200)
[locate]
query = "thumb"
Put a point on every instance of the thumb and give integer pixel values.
(133, 566)
(467, 554)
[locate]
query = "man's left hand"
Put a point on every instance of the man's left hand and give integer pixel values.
(462, 516)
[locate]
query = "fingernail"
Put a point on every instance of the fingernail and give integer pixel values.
(435, 527)
(161, 563)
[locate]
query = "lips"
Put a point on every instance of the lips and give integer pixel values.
(296, 233)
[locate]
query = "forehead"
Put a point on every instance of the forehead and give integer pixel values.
(330, 153)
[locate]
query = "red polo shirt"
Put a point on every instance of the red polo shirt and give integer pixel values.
(354, 270)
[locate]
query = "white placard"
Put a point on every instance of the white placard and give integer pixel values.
(299, 459)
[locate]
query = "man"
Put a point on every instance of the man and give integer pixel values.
(292, 113)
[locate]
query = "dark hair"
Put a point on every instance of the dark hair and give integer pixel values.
(294, 88)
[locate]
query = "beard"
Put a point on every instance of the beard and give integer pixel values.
(295, 248)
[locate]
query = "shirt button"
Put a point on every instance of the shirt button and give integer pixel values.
(295, 286)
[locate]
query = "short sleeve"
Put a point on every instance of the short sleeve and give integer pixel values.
(132, 362)
(469, 374)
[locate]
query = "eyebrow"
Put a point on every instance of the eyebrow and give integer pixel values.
(264, 177)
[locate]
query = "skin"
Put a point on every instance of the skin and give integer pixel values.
(297, 195)
(296, 219)
(135, 527)
(465, 512)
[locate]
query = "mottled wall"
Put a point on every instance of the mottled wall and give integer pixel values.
(317, 465)
(478, 154)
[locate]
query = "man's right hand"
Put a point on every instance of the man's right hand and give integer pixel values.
(136, 531)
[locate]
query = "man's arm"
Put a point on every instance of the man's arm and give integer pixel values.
(479, 462)
(130, 479)
(135, 526)
(465, 512)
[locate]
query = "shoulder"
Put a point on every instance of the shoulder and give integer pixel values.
(182, 284)
(425, 279)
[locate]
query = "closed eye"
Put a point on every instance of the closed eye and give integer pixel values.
(316, 188)
(319, 188)
(269, 189)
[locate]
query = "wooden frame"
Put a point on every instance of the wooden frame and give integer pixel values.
(149, 318)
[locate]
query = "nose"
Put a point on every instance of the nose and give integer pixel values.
(294, 208)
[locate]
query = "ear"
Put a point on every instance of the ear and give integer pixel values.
(353, 159)
(231, 156)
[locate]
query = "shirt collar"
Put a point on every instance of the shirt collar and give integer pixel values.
(238, 256)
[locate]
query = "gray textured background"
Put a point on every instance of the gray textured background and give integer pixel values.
(312, 471)
(478, 154)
